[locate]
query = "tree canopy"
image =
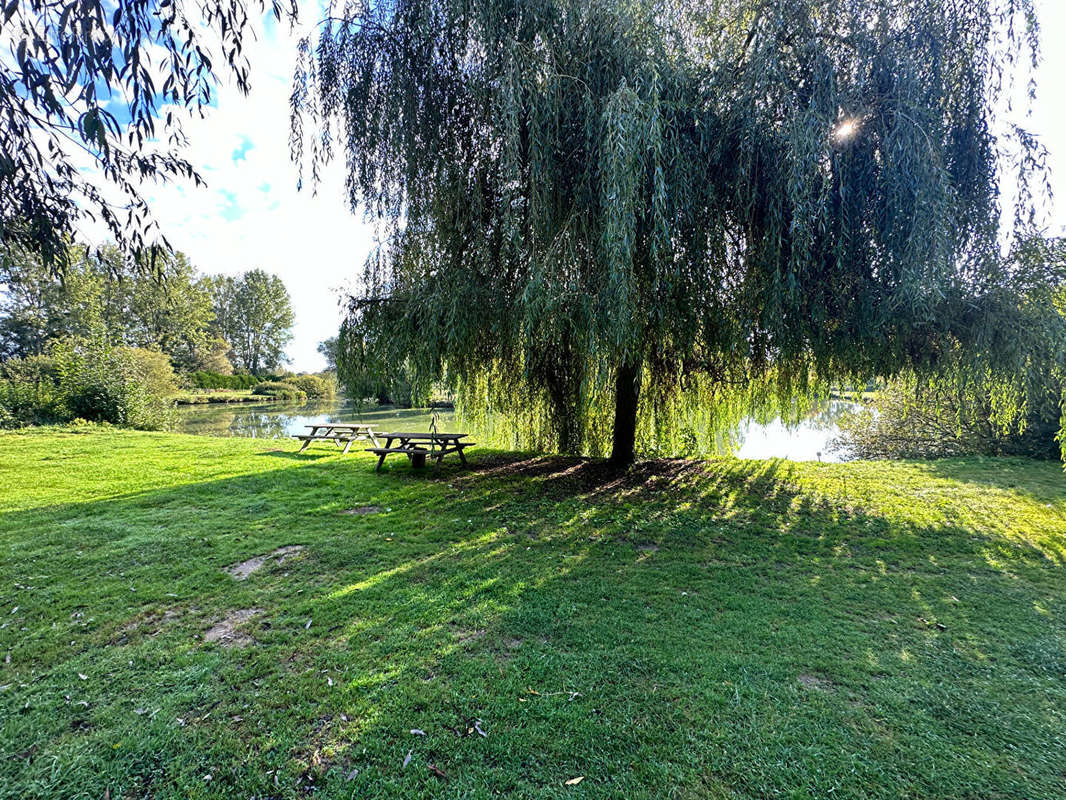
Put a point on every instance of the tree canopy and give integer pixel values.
(104, 295)
(327, 348)
(210, 323)
(91, 104)
(253, 313)
(581, 200)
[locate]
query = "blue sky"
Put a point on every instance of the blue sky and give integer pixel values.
(251, 215)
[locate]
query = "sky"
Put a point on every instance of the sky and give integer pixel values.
(251, 215)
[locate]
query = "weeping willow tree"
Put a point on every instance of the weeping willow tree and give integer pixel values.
(602, 214)
(1000, 395)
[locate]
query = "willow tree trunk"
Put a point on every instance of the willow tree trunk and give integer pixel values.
(626, 394)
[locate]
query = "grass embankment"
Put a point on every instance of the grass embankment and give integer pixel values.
(717, 629)
(202, 396)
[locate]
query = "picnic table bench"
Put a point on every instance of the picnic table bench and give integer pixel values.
(339, 433)
(419, 446)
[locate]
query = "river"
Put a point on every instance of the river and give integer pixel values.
(806, 441)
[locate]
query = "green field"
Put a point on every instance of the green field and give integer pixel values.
(719, 629)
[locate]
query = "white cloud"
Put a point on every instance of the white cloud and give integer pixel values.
(251, 214)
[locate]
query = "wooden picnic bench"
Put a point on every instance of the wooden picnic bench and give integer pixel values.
(420, 446)
(339, 433)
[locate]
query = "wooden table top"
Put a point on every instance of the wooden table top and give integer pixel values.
(339, 425)
(424, 435)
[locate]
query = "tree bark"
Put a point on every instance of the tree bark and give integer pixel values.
(626, 394)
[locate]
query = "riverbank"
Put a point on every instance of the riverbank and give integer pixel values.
(206, 396)
(720, 628)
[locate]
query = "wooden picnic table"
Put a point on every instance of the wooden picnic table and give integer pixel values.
(338, 433)
(419, 446)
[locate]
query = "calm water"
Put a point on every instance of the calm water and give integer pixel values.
(807, 441)
(280, 420)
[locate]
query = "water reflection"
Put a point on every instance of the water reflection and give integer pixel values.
(279, 420)
(805, 441)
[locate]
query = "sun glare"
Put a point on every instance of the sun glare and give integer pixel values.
(846, 129)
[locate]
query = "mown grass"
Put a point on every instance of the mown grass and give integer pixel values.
(714, 629)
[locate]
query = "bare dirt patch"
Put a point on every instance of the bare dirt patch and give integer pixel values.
(362, 511)
(648, 548)
(225, 631)
(149, 624)
(465, 636)
(814, 682)
(242, 570)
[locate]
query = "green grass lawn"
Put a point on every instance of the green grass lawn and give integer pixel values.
(692, 629)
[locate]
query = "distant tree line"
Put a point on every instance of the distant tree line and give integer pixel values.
(214, 323)
(111, 339)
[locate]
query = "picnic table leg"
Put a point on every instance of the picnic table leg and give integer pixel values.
(305, 445)
(459, 450)
(381, 456)
(346, 446)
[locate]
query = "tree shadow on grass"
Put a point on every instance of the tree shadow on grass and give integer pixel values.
(1041, 480)
(683, 629)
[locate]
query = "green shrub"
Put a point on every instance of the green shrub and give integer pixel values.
(28, 393)
(279, 391)
(121, 385)
(313, 386)
(240, 382)
(91, 381)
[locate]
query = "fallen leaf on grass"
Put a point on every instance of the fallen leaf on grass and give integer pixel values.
(407, 760)
(417, 732)
(436, 770)
(308, 625)
(574, 781)
(477, 727)
(83, 676)
(329, 681)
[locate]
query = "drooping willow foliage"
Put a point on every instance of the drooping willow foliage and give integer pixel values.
(665, 210)
(1000, 395)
